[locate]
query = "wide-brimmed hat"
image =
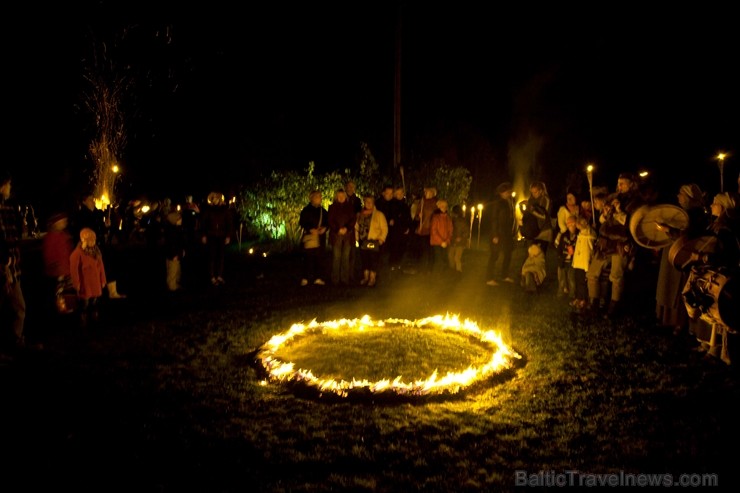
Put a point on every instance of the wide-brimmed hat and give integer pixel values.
(55, 218)
(504, 187)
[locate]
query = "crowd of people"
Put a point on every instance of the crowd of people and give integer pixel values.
(599, 260)
(83, 252)
(356, 240)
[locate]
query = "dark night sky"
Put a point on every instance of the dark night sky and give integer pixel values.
(220, 94)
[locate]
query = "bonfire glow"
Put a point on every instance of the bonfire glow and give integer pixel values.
(502, 357)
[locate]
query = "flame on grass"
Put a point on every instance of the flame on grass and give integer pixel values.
(502, 358)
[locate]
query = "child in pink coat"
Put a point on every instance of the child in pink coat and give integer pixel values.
(88, 275)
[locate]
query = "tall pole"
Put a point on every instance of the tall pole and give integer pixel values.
(397, 103)
(480, 215)
(470, 232)
(721, 158)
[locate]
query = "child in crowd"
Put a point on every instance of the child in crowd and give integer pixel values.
(582, 254)
(534, 269)
(174, 247)
(88, 275)
(565, 245)
(440, 237)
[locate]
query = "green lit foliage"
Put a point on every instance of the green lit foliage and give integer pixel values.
(270, 208)
(452, 183)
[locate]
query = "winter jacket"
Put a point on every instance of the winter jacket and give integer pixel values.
(87, 272)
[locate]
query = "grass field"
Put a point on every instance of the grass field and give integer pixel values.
(165, 396)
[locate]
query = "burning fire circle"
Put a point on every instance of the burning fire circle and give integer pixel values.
(502, 358)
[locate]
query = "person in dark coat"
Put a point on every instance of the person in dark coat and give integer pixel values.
(503, 232)
(313, 220)
(12, 302)
(217, 229)
(342, 219)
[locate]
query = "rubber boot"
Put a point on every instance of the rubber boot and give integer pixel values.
(725, 353)
(113, 291)
(714, 348)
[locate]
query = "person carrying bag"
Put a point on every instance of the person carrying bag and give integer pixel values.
(313, 239)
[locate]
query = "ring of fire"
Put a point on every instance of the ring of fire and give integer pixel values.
(502, 358)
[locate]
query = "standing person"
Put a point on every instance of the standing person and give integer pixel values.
(191, 231)
(460, 233)
(503, 231)
(565, 249)
(399, 227)
(427, 206)
(89, 216)
(341, 219)
(539, 206)
(190, 218)
(371, 231)
(11, 294)
(385, 204)
(587, 209)
(570, 208)
(352, 196)
(582, 255)
(56, 247)
(217, 229)
(88, 275)
(356, 201)
(313, 221)
(670, 309)
(615, 247)
(174, 249)
(724, 258)
(440, 237)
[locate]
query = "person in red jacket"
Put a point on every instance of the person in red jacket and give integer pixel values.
(56, 248)
(440, 236)
(88, 275)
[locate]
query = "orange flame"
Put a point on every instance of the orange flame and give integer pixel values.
(502, 357)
